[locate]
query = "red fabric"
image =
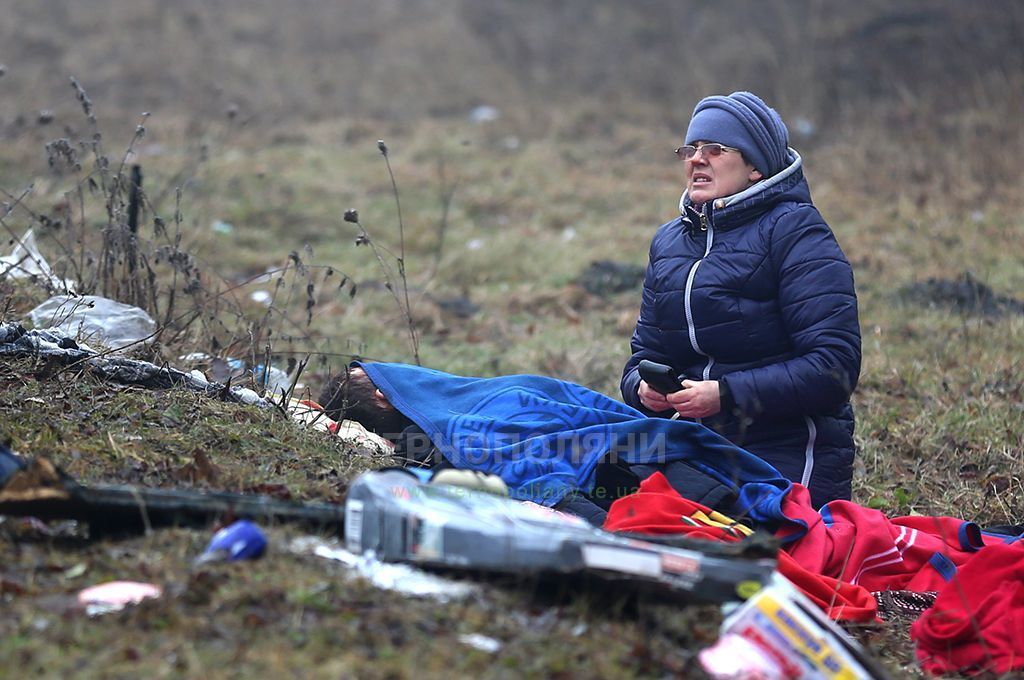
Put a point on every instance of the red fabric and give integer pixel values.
(657, 508)
(862, 546)
(841, 601)
(977, 621)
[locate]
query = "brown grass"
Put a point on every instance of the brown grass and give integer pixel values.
(269, 125)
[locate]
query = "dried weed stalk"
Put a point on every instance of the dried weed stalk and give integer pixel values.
(98, 227)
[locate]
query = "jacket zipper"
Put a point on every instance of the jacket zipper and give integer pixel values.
(705, 226)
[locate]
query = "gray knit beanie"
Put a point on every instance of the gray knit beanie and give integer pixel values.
(743, 121)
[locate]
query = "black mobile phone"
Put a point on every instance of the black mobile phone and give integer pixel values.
(660, 377)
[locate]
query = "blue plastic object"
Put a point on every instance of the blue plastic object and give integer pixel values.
(242, 540)
(10, 463)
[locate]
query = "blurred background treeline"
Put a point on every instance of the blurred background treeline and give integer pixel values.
(828, 64)
(531, 139)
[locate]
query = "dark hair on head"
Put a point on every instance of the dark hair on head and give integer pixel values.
(351, 395)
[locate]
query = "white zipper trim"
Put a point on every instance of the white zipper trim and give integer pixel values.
(689, 310)
(812, 435)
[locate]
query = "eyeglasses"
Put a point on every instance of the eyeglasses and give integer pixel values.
(709, 150)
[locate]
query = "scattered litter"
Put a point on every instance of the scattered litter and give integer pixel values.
(481, 642)
(474, 244)
(115, 596)
(484, 114)
(568, 234)
(272, 380)
(194, 357)
(223, 370)
(76, 571)
(247, 396)
(57, 345)
(782, 634)
(457, 528)
(401, 578)
(734, 657)
(261, 296)
(42, 490)
(964, 295)
(10, 462)
(26, 262)
(222, 227)
(242, 540)
(804, 127)
(105, 321)
(606, 277)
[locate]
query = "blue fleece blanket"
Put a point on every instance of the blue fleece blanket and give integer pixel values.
(544, 437)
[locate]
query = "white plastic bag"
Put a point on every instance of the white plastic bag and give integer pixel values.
(26, 262)
(95, 319)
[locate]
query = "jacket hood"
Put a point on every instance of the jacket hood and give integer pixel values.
(788, 184)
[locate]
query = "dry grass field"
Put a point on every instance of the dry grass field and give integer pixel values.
(262, 131)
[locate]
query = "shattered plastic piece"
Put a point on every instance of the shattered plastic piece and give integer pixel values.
(273, 380)
(481, 642)
(25, 262)
(194, 357)
(802, 642)
(115, 595)
(734, 657)
(242, 540)
(105, 321)
(247, 396)
(222, 227)
(401, 578)
(391, 514)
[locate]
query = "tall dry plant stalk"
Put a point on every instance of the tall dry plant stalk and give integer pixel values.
(399, 292)
(98, 229)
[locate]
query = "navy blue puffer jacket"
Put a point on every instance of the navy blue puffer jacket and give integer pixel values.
(754, 291)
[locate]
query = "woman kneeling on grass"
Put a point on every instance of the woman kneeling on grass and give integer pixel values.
(750, 299)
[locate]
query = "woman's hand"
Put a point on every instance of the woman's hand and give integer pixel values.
(697, 399)
(653, 400)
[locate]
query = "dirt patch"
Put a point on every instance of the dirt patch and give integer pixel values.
(607, 277)
(963, 295)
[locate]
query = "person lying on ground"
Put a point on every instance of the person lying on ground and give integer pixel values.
(551, 441)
